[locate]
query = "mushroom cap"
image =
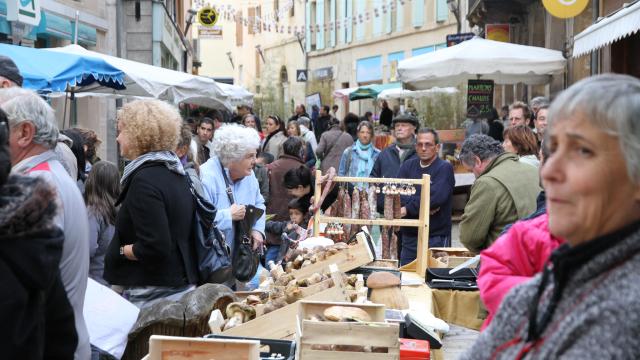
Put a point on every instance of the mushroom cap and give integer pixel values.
(382, 279)
(346, 313)
(248, 312)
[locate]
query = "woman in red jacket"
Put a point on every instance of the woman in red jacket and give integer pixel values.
(513, 259)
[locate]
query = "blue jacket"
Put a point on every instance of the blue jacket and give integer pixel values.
(441, 195)
(387, 165)
(246, 191)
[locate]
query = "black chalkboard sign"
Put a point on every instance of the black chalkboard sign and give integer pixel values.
(479, 98)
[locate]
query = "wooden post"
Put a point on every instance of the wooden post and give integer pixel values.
(423, 229)
(316, 201)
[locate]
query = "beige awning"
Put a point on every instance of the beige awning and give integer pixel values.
(614, 27)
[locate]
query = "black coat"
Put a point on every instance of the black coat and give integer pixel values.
(155, 216)
(322, 125)
(37, 318)
(386, 115)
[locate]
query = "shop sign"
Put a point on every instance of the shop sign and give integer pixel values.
(455, 39)
(210, 33)
(302, 75)
(479, 98)
(497, 32)
(564, 9)
(323, 73)
(24, 11)
(207, 17)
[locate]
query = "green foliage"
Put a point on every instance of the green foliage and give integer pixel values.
(440, 111)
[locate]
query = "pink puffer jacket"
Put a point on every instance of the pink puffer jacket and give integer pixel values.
(513, 258)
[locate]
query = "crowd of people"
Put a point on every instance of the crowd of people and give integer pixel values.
(557, 194)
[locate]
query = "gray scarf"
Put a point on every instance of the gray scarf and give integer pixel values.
(170, 160)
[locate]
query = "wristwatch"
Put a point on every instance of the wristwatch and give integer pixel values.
(122, 251)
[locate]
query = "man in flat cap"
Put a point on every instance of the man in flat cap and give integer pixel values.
(388, 162)
(9, 73)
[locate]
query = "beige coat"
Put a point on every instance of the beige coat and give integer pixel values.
(332, 144)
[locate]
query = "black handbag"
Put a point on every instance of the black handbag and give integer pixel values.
(214, 256)
(244, 260)
(464, 279)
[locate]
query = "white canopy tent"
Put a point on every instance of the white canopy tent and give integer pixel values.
(344, 93)
(143, 80)
(478, 58)
(399, 93)
(237, 95)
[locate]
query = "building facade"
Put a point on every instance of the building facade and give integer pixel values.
(258, 45)
(355, 43)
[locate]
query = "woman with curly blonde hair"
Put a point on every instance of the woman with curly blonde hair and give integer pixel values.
(150, 254)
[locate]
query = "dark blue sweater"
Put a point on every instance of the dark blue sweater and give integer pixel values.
(441, 194)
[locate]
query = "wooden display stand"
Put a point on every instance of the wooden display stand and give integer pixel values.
(347, 259)
(312, 336)
(422, 223)
(181, 348)
(281, 323)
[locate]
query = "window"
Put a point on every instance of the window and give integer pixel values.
(239, 28)
(417, 13)
(442, 10)
(422, 50)
(259, 22)
(396, 56)
(251, 26)
(292, 10)
(369, 69)
(399, 16)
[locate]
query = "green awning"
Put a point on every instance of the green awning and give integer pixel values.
(54, 25)
(372, 91)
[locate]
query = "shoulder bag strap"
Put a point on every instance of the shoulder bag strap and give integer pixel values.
(228, 183)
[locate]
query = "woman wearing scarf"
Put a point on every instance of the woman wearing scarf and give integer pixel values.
(150, 254)
(358, 160)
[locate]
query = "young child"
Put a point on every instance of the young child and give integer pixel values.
(290, 230)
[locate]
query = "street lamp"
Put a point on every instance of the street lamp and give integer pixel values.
(259, 50)
(230, 59)
(192, 14)
(454, 7)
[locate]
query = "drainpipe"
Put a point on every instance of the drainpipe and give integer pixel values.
(595, 55)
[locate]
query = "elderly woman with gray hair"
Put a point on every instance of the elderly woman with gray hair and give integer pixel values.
(584, 305)
(505, 190)
(234, 150)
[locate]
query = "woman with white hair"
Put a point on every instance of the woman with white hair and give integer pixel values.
(234, 154)
(584, 305)
(150, 254)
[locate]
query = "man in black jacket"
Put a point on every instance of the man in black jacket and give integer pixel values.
(322, 124)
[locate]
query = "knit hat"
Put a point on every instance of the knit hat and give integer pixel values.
(405, 118)
(9, 70)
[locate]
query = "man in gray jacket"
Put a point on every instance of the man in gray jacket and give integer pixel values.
(33, 137)
(333, 142)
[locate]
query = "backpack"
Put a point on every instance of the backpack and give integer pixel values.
(213, 253)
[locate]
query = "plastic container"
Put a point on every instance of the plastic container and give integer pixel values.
(411, 349)
(286, 348)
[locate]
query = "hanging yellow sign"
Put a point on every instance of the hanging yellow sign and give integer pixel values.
(564, 9)
(207, 17)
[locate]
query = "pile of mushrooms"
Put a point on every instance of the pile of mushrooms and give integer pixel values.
(298, 258)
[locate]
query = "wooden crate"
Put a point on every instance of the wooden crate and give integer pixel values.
(281, 323)
(185, 348)
(348, 259)
(377, 334)
(454, 259)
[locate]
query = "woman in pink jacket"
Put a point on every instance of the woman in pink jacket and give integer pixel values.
(513, 259)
